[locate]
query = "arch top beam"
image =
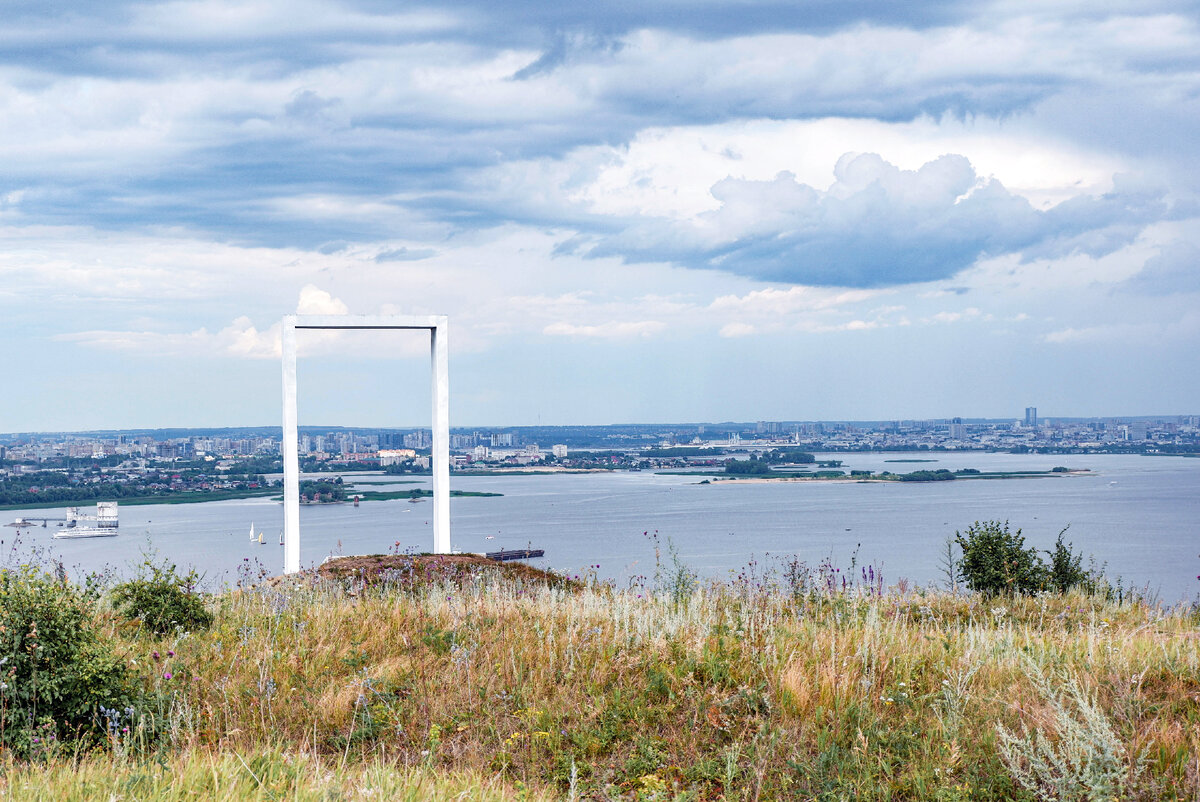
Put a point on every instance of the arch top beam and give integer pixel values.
(368, 321)
(437, 326)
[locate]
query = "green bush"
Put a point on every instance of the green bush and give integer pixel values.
(54, 672)
(996, 561)
(162, 600)
(1066, 568)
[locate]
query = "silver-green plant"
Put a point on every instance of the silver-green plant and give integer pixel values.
(1083, 758)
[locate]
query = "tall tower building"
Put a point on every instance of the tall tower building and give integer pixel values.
(1031, 416)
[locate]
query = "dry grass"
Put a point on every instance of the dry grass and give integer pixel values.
(744, 690)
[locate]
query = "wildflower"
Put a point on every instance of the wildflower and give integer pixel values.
(166, 675)
(170, 654)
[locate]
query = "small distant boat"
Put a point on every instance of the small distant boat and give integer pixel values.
(490, 537)
(281, 538)
(252, 530)
(260, 538)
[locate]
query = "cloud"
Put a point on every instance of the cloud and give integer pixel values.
(403, 254)
(239, 339)
(953, 317)
(1182, 328)
(736, 330)
(610, 331)
(781, 302)
(316, 301)
(878, 225)
(1174, 269)
(265, 121)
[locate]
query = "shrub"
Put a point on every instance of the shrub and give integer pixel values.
(995, 560)
(54, 672)
(1079, 757)
(162, 600)
(1066, 568)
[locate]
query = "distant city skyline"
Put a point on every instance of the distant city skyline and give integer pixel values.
(498, 434)
(728, 210)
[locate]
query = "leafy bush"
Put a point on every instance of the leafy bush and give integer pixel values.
(995, 560)
(54, 673)
(162, 600)
(1066, 568)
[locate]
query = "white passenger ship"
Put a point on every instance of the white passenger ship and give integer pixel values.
(105, 518)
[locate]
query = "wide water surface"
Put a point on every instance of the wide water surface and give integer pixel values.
(1137, 514)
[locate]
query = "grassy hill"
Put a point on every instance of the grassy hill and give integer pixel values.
(456, 678)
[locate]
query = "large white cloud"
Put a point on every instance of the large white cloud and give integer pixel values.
(879, 225)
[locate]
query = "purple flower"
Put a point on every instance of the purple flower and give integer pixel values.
(166, 675)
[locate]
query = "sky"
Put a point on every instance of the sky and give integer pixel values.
(631, 212)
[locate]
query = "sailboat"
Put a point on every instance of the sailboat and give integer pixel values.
(260, 538)
(252, 530)
(281, 537)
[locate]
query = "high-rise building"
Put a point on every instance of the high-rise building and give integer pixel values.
(1031, 418)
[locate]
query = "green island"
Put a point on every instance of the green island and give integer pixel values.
(760, 470)
(454, 677)
(389, 495)
(170, 497)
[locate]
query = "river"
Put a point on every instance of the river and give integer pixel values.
(1139, 515)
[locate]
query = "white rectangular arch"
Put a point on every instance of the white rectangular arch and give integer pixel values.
(437, 325)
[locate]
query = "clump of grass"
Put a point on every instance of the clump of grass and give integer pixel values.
(262, 775)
